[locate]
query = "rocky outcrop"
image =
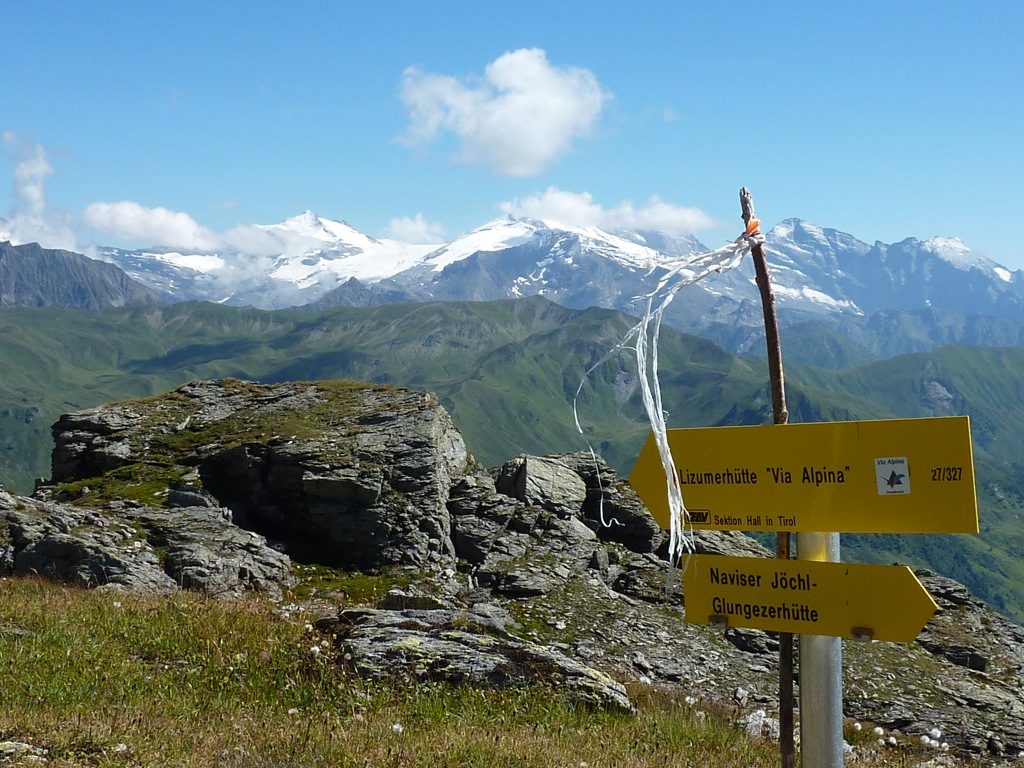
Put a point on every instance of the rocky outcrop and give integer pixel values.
(344, 474)
(462, 648)
(137, 548)
(543, 569)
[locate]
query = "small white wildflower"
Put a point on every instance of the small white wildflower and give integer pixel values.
(293, 711)
(690, 701)
(646, 680)
(892, 741)
(117, 603)
(120, 747)
(857, 726)
(881, 742)
(926, 740)
(878, 731)
(397, 728)
(309, 627)
(935, 733)
(559, 625)
(315, 650)
(944, 746)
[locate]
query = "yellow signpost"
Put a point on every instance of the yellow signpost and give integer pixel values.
(879, 602)
(894, 476)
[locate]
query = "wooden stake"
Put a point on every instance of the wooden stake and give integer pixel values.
(780, 415)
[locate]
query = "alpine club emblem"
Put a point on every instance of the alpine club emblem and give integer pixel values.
(893, 476)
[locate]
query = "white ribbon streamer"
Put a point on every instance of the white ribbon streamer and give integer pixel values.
(644, 335)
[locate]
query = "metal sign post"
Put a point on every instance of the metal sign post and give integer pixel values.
(821, 674)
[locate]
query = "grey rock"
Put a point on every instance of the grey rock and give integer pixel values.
(542, 482)
(409, 599)
(462, 649)
(647, 578)
(752, 640)
(201, 549)
(347, 475)
(89, 443)
(731, 543)
(38, 539)
(190, 497)
(527, 582)
(518, 549)
(25, 754)
(612, 508)
(204, 551)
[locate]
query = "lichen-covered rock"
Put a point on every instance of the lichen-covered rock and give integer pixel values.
(516, 548)
(343, 473)
(462, 648)
(205, 551)
(138, 549)
(89, 443)
(76, 546)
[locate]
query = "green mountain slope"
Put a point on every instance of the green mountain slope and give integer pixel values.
(507, 371)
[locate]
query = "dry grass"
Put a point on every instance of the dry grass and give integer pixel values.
(98, 678)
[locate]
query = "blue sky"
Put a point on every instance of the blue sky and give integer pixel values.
(136, 123)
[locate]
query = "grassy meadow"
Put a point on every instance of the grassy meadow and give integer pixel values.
(103, 678)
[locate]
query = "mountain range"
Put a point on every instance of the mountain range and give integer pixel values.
(841, 300)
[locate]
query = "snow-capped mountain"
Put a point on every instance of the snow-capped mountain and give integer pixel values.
(908, 275)
(816, 272)
(510, 258)
(270, 266)
(303, 258)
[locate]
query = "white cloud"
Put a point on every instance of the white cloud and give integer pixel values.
(246, 238)
(417, 230)
(129, 220)
(32, 219)
(519, 118)
(579, 209)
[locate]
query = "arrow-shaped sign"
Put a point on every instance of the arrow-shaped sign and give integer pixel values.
(892, 476)
(879, 602)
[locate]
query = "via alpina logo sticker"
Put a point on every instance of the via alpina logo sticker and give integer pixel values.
(893, 475)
